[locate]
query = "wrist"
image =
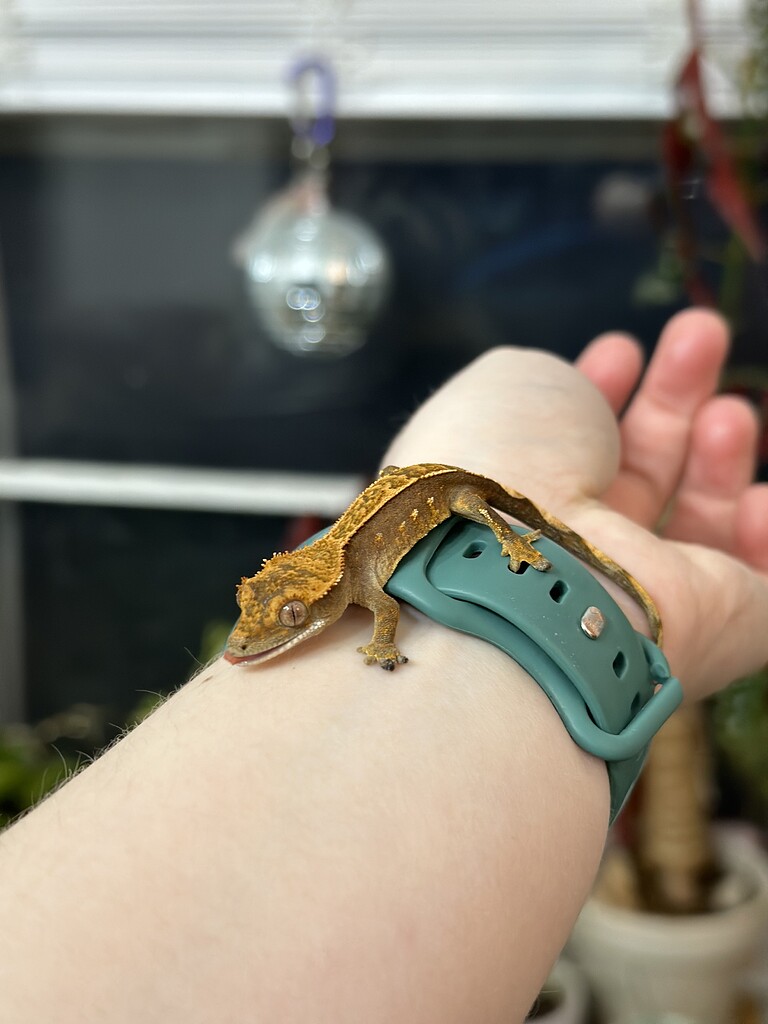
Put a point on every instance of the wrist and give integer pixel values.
(453, 686)
(629, 544)
(561, 625)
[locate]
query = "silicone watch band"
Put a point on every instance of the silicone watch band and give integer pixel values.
(613, 691)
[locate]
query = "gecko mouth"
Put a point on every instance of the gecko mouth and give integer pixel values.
(260, 656)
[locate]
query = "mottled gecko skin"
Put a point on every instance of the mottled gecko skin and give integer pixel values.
(299, 593)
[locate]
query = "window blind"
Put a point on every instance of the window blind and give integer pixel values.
(395, 58)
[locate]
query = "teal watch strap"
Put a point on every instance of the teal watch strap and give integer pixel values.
(611, 686)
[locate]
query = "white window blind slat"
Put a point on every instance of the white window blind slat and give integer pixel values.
(516, 58)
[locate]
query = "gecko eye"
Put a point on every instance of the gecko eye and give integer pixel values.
(293, 613)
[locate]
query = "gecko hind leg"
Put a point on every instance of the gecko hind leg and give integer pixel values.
(518, 548)
(516, 504)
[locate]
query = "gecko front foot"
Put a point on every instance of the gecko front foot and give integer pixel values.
(519, 548)
(383, 654)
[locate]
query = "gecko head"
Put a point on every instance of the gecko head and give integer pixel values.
(280, 607)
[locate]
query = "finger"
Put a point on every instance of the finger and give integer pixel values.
(614, 364)
(751, 533)
(655, 430)
(720, 467)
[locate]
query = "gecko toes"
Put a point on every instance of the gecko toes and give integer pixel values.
(384, 654)
(390, 664)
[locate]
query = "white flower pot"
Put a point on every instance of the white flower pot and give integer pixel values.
(568, 985)
(647, 967)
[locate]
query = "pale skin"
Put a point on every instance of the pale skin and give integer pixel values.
(314, 840)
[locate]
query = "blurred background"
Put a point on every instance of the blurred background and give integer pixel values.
(485, 173)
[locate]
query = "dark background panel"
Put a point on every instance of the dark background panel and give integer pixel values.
(132, 340)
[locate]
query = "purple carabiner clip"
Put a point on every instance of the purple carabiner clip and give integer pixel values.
(320, 129)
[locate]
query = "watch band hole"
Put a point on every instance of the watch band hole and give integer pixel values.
(558, 590)
(619, 665)
(474, 550)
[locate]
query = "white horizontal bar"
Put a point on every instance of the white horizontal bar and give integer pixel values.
(590, 103)
(174, 487)
(394, 58)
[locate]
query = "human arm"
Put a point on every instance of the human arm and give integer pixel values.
(318, 840)
(323, 842)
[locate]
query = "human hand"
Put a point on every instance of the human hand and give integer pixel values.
(539, 426)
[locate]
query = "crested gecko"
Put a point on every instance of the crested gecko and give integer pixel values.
(299, 593)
